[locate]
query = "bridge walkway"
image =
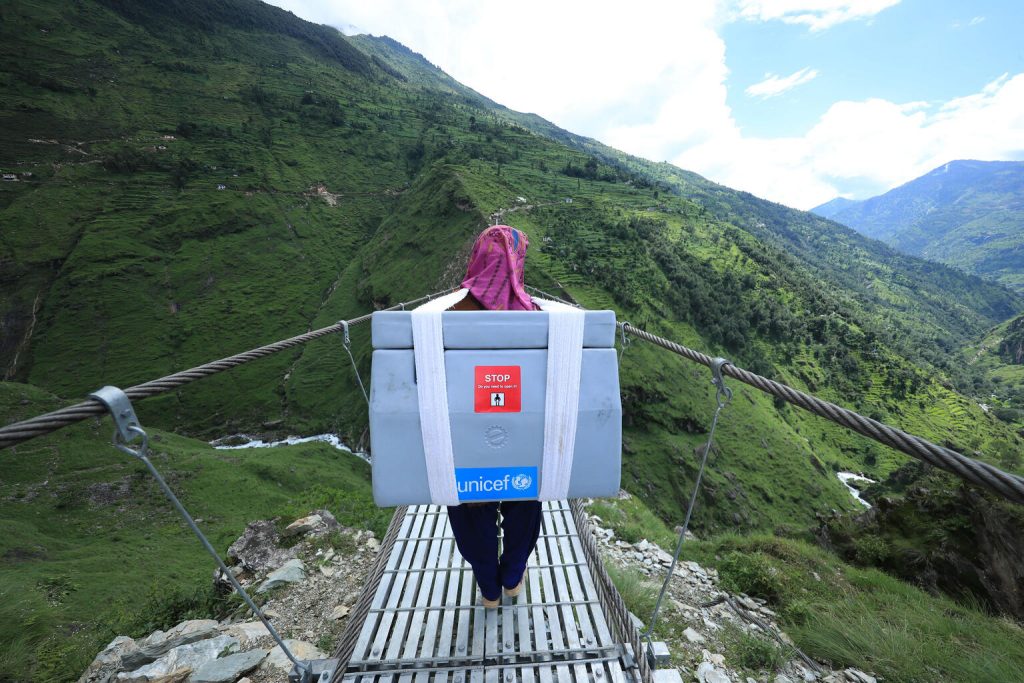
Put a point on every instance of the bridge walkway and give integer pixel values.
(425, 623)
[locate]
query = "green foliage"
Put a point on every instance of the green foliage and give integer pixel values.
(63, 601)
(969, 214)
(636, 590)
(868, 620)
(750, 573)
(752, 651)
(356, 175)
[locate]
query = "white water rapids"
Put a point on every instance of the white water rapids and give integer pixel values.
(251, 442)
(847, 477)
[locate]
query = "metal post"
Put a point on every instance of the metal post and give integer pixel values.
(128, 430)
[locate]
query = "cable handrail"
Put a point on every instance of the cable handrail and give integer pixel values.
(44, 424)
(1008, 485)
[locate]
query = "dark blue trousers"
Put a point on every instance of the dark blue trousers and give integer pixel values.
(476, 533)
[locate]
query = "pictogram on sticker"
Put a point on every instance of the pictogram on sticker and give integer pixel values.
(497, 389)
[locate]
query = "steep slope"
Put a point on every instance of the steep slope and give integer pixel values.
(969, 214)
(205, 180)
(208, 193)
(918, 307)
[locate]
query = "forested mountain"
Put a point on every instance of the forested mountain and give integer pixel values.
(969, 214)
(190, 179)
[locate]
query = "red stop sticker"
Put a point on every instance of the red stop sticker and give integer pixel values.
(496, 389)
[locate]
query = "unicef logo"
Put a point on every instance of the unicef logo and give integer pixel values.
(521, 482)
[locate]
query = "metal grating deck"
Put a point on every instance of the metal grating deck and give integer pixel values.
(425, 626)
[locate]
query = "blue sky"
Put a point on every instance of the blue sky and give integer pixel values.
(933, 51)
(797, 101)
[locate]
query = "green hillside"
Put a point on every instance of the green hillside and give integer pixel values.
(969, 214)
(347, 185)
(195, 179)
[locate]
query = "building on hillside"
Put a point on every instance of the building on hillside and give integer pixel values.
(221, 186)
(10, 177)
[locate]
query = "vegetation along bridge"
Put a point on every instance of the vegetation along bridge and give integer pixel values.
(416, 620)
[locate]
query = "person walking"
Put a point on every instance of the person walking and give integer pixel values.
(495, 280)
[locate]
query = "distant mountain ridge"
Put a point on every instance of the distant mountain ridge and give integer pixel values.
(969, 214)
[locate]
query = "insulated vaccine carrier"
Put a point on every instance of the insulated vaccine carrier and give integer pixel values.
(496, 370)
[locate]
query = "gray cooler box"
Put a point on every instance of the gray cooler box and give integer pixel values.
(496, 368)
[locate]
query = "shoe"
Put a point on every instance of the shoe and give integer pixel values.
(490, 604)
(513, 592)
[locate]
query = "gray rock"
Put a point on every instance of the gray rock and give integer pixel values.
(857, 676)
(247, 633)
(693, 636)
(258, 548)
(159, 643)
(291, 571)
(707, 673)
(299, 648)
(748, 603)
(303, 525)
(783, 678)
(185, 658)
(228, 669)
(108, 662)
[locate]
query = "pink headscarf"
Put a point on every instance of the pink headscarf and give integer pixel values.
(495, 272)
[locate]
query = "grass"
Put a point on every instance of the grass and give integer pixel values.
(90, 548)
(864, 618)
(638, 592)
(753, 652)
(126, 262)
(838, 613)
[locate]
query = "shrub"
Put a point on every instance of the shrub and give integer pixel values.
(753, 652)
(638, 593)
(750, 573)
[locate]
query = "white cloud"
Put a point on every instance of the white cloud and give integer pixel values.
(872, 145)
(773, 85)
(652, 81)
(573, 62)
(817, 15)
(975, 21)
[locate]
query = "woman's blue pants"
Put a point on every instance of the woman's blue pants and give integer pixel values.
(476, 533)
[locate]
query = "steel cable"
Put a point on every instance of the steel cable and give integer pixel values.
(609, 596)
(43, 424)
(347, 643)
(1006, 484)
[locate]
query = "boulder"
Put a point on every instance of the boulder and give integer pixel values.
(302, 525)
(300, 649)
(186, 658)
(258, 548)
(693, 636)
(247, 633)
(159, 643)
(291, 571)
(707, 673)
(228, 669)
(108, 662)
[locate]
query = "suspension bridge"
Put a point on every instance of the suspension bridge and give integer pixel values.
(417, 620)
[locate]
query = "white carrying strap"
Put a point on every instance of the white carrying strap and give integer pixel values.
(432, 391)
(562, 393)
(562, 396)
